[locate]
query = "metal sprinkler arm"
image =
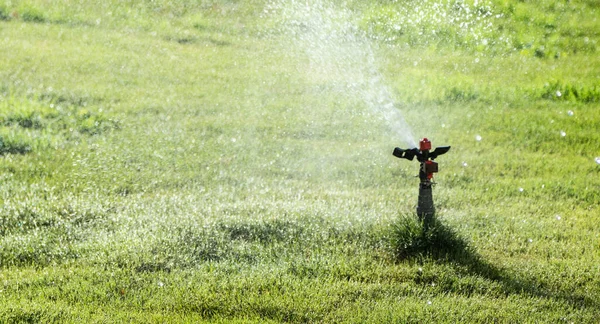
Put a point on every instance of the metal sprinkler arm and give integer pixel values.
(439, 151)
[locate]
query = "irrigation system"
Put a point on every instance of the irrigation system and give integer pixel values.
(425, 207)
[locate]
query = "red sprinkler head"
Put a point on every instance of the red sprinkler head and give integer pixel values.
(424, 145)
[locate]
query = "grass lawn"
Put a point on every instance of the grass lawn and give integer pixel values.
(231, 161)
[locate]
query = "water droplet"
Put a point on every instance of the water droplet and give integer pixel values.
(478, 138)
(570, 113)
(558, 93)
(562, 133)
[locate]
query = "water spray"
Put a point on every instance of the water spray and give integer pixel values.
(425, 208)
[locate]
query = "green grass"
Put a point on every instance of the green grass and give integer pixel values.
(184, 161)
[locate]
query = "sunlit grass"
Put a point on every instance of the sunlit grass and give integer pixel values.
(185, 161)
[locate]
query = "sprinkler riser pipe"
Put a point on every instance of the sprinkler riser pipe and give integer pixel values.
(425, 207)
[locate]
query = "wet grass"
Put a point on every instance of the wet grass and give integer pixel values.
(35, 124)
(175, 161)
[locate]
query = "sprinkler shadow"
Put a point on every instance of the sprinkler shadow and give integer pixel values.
(437, 242)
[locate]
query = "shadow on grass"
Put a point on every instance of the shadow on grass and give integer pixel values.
(414, 240)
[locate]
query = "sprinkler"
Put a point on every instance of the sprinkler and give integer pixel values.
(425, 208)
